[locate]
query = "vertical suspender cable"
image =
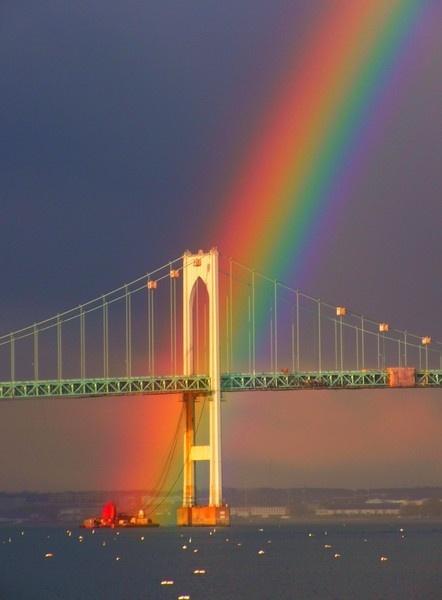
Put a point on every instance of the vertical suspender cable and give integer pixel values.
(152, 329)
(341, 343)
(405, 349)
(227, 334)
(197, 345)
(297, 331)
(126, 337)
(171, 315)
(174, 327)
(271, 341)
(82, 344)
(231, 311)
(336, 344)
(253, 324)
(293, 343)
(379, 351)
(357, 348)
(36, 358)
(173, 274)
(105, 338)
(129, 306)
(249, 332)
(362, 343)
(128, 333)
(399, 352)
(275, 341)
(383, 350)
(319, 337)
(12, 355)
(59, 350)
(149, 328)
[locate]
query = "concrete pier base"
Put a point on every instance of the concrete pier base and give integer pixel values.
(203, 516)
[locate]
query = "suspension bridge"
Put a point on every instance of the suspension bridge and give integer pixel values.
(238, 330)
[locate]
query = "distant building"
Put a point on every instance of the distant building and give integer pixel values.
(262, 512)
(400, 501)
(357, 512)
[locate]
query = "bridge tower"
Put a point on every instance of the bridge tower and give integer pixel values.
(203, 267)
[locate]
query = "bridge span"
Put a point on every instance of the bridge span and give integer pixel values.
(239, 331)
(201, 384)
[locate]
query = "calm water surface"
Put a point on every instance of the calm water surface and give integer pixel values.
(290, 562)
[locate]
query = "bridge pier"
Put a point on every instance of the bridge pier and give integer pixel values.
(204, 267)
(189, 498)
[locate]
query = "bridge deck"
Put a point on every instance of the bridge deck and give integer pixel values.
(230, 382)
(325, 380)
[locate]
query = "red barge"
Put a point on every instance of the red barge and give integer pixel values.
(111, 518)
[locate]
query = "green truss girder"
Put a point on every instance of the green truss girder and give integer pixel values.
(304, 380)
(338, 380)
(230, 382)
(429, 378)
(104, 387)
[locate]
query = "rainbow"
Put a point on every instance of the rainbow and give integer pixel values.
(293, 182)
(298, 165)
(302, 160)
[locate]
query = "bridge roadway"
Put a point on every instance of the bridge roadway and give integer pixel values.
(230, 382)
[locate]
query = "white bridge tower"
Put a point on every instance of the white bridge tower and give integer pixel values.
(203, 267)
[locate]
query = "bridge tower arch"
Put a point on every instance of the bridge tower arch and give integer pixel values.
(202, 266)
